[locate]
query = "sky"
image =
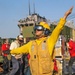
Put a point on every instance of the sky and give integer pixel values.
(11, 11)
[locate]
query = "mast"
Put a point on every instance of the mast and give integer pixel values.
(34, 7)
(29, 8)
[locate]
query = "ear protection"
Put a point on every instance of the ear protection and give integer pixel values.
(46, 32)
(39, 27)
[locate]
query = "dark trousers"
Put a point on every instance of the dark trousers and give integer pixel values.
(72, 59)
(5, 63)
(15, 66)
(27, 71)
(20, 72)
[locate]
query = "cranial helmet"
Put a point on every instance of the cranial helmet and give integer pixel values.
(43, 26)
(20, 36)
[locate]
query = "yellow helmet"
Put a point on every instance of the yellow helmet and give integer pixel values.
(45, 25)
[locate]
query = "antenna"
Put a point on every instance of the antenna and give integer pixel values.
(34, 7)
(29, 8)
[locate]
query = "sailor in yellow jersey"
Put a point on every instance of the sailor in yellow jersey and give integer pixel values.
(41, 49)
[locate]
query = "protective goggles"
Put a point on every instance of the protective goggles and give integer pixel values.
(38, 27)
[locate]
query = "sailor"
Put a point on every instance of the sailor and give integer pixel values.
(41, 49)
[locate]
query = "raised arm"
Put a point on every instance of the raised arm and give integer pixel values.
(68, 13)
(55, 34)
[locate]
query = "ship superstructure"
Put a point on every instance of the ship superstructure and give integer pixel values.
(26, 25)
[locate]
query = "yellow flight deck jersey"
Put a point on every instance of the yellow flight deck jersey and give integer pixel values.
(51, 40)
(38, 60)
